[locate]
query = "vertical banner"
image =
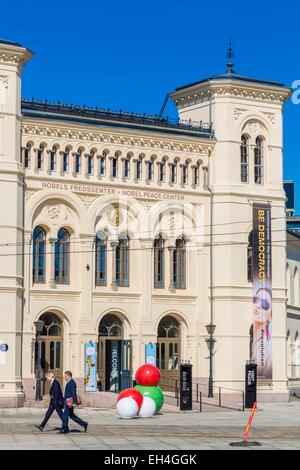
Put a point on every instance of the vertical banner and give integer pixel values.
(150, 353)
(262, 290)
(90, 362)
(115, 366)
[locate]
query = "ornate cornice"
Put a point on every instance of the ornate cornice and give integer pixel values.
(95, 137)
(200, 94)
(15, 55)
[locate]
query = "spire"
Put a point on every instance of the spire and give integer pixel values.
(230, 55)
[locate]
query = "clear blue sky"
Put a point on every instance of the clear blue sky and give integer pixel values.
(128, 54)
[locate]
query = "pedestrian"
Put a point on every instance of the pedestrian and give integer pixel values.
(70, 401)
(56, 400)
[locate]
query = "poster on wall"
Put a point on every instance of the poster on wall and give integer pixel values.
(150, 353)
(262, 290)
(90, 361)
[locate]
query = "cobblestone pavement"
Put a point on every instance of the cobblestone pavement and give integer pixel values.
(275, 426)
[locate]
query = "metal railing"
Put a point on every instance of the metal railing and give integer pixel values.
(111, 115)
(224, 397)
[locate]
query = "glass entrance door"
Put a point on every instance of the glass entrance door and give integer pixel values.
(168, 352)
(51, 350)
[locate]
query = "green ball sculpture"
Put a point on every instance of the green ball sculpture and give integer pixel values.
(152, 392)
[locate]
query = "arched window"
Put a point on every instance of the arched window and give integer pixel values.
(62, 257)
(173, 176)
(90, 163)
(184, 173)
(126, 167)
(159, 253)
(258, 161)
(162, 171)
(102, 161)
(244, 159)
(100, 264)
(40, 157)
(179, 262)
(249, 257)
(150, 172)
(111, 325)
(114, 165)
(138, 168)
(65, 160)
(122, 261)
(38, 258)
(27, 155)
(77, 161)
(195, 174)
(52, 158)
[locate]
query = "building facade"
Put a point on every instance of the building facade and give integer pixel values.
(126, 230)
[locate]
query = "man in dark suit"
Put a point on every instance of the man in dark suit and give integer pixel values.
(56, 400)
(70, 400)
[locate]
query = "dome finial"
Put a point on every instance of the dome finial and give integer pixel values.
(230, 55)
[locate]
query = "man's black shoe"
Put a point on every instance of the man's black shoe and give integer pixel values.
(63, 432)
(40, 428)
(85, 427)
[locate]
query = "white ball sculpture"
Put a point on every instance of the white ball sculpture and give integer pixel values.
(148, 408)
(127, 408)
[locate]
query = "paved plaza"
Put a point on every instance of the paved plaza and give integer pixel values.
(275, 426)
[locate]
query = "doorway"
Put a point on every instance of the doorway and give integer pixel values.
(168, 352)
(51, 350)
(114, 355)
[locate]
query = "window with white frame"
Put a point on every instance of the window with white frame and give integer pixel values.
(173, 177)
(52, 158)
(102, 164)
(244, 159)
(27, 155)
(258, 161)
(40, 157)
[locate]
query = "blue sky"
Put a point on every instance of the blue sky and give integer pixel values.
(128, 54)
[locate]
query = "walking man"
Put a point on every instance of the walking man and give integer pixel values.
(70, 400)
(56, 401)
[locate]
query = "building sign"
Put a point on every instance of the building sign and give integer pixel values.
(262, 290)
(98, 189)
(186, 399)
(90, 362)
(115, 366)
(150, 353)
(250, 384)
(3, 347)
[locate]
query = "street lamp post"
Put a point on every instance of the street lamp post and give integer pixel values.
(210, 342)
(39, 325)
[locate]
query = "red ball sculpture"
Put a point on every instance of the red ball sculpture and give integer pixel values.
(132, 393)
(147, 375)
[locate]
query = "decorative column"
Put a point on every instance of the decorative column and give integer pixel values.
(52, 283)
(171, 249)
(114, 244)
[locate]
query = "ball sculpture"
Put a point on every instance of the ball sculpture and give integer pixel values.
(127, 408)
(148, 408)
(154, 393)
(132, 393)
(145, 399)
(147, 375)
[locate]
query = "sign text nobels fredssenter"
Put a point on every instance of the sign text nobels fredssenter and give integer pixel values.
(90, 189)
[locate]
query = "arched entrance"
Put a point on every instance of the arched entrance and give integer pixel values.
(168, 351)
(114, 354)
(51, 349)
